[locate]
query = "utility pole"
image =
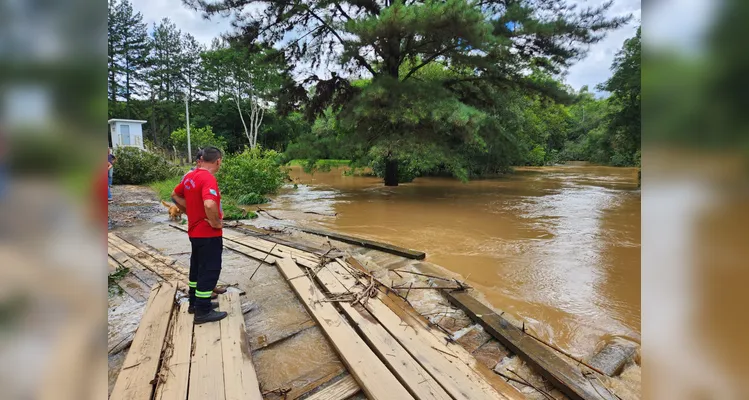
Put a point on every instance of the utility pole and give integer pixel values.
(187, 114)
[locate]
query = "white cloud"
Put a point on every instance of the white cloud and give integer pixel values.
(595, 67)
(186, 19)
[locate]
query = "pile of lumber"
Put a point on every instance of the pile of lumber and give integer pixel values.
(146, 268)
(172, 359)
(388, 352)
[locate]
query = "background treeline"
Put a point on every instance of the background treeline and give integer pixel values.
(241, 93)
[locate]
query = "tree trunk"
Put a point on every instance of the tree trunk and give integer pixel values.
(391, 172)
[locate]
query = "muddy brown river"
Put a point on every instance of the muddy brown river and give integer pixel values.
(558, 247)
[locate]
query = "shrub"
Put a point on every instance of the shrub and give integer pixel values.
(136, 167)
(536, 156)
(234, 212)
(199, 138)
(253, 171)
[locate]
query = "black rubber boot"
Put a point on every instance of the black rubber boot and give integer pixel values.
(211, 316)
(191, 309)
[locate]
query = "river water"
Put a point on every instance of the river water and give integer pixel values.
(558, 247)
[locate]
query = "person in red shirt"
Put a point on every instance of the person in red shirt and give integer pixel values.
(198, 196)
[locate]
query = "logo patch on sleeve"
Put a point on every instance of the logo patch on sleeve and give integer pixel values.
(213, 192)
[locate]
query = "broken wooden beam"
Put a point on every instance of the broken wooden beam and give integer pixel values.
(372, 375)
(370, 244)
(545, 361)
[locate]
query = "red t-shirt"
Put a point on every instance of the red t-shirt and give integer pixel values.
(197, 186)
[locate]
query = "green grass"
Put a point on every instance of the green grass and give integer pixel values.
(231, 210)
(322, 163)
(164, 188)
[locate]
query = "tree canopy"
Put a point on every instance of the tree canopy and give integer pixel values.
(487, 45)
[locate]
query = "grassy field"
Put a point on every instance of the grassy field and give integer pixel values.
(164, 188)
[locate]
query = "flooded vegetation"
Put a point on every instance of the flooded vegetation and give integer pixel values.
(558, 247)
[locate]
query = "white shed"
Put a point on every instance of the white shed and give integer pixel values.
(126, 132)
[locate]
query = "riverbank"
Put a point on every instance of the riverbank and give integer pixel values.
(429, 303)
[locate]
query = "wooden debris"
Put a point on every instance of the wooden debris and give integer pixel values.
(612, 358)
(240, 379)
(370, 244)
(373, 377)
(413, 376)
(546, 362)
(175, 368)
(340, 389)
(140, 368)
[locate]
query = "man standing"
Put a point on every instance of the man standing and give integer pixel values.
(110, 173)
(198, 196)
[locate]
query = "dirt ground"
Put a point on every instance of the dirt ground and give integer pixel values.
(134, 204)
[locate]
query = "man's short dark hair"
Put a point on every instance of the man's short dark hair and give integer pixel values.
(198, 154)
(211, 154)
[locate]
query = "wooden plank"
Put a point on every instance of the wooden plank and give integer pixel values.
(275, 249)
(339, 390)
(371, 374)
(207, 367)
(370, 244)
(271, 238)
(136, 268)
(147, 260)
(146, 249)
(142, 361)
(175, 369)
(457, 378)
(134, 287)
(412, 375)
(546, 362)
(240, 379)
(258, 250)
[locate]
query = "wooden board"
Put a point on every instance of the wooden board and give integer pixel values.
(412, 375)
(275, 249)
(240, 379)
(262, 250)
(134, 287)
(371, 374)
(340, 390)
(370, 244)
(175, 367)
(142, 361)
(136, 268)
(457, 378)
(165, 261)
(207, 367)
(542, 359)
(269, 237)
(156, 266)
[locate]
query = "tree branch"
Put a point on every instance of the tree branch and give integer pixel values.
(358, 57)
(428, 60)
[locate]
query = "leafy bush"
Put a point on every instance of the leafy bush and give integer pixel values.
(199, 138)
(136, 167)
(253, 171)
(537, 156)
(234, 212)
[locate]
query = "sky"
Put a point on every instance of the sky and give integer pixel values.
(592, 70)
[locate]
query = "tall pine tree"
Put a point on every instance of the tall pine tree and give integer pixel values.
(128, 48)
(487, 44)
